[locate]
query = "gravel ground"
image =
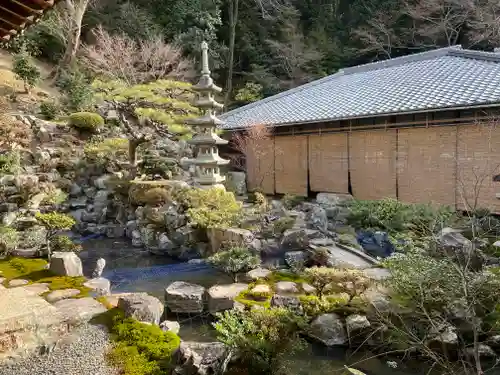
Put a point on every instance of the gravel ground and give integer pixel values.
(80, 353)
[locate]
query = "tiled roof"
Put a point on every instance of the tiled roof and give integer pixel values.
(434, 80)
(16, 15)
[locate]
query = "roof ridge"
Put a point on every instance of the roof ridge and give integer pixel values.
(474, 54)
(426, 55)
(282, 94)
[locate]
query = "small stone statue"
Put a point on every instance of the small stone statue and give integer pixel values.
(99, 267)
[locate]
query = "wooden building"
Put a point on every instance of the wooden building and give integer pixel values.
(420, 128)
(16, 15)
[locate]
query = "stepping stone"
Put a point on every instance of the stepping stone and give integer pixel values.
(308, 289)
(258, 273)
(283, 287)
(142, 306)
(37, 288)
(25, 319)
(261, 288)
(58, 295)
(221, 297)
(170, 325)
(17, 282)
(79, 310)
(100, 285)
(182, 297)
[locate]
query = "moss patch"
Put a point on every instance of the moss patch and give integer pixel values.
(286, 276)
(140, 349)
(34, 271)
(248, 299)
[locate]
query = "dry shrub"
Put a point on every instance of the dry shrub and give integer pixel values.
(120, 57)
(13, 133)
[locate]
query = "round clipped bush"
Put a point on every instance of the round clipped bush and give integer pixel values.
(86, 121)
(156, 196)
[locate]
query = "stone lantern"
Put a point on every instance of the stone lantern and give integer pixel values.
(206, 141)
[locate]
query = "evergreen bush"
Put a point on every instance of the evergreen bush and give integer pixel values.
(49, 110)
(86, 121)
(235, 260)
(25, 69)
(157, 196)
(212, 208)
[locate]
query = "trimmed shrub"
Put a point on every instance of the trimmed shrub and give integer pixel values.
(86, 121)
(156, 196)
(235, 260)
(262, 338)
(282, 224)
(64, 243)
(77, 89)
(141, 349)
(49, 110)
(213, 208)
(9, 239)
(25, 69)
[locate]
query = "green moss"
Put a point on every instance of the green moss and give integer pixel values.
(34, 271)
(249, 299)
(104, 301)
(140, 349)
(286, 276)
(16, 268)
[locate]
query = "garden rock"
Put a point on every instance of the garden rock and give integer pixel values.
(9, 218)
(170, 325)
(452, 243)
(100, 286)
(183, 297)
(37, 288)
(328, 329)
(17, 282)
(483, 350)
(201, 358)
(377, 244)
(136, 238)
(99, 268)
(142, 307)
(221, 297)
(101, 200)
(288, 302)
(115, 231)
(238, 236)
(308, 289)
(316, 216)
(66, 264)
(164, 243)
(444, 337)
(76, 203)
(261, 289)
(238, 182)
(79, 310)
(294, 239)
(58, 295)
(258, 273)
(356, 324)
(102, 182)
(284, 287)
(295, 258)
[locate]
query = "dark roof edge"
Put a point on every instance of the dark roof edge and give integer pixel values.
(436, 109)
(355, 69)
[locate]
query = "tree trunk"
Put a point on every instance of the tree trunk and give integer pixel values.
(76, 12)
(233, 19)
(132, 157)
(49, 250)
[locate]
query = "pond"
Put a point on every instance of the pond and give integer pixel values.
(136, 270)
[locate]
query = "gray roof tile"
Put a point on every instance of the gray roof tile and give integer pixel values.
(443, 78)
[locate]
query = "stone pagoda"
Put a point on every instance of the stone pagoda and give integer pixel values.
(207, 161)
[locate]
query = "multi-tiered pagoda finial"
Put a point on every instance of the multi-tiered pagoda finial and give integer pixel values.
(205, 140)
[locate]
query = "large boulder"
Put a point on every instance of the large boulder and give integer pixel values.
(328, 329)
(238, 236)
(221, 297)
(79, 310)
(66, 264)
(334, 205)
(99, 285)
(201, 358)
(357, 326)
(450, 242)
(315, 216)
(294, 239)
(237, 182)
(377, 244)
(141, 306)
(288, 302)
(183, 297)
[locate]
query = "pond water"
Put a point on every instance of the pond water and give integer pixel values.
(134, 270)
